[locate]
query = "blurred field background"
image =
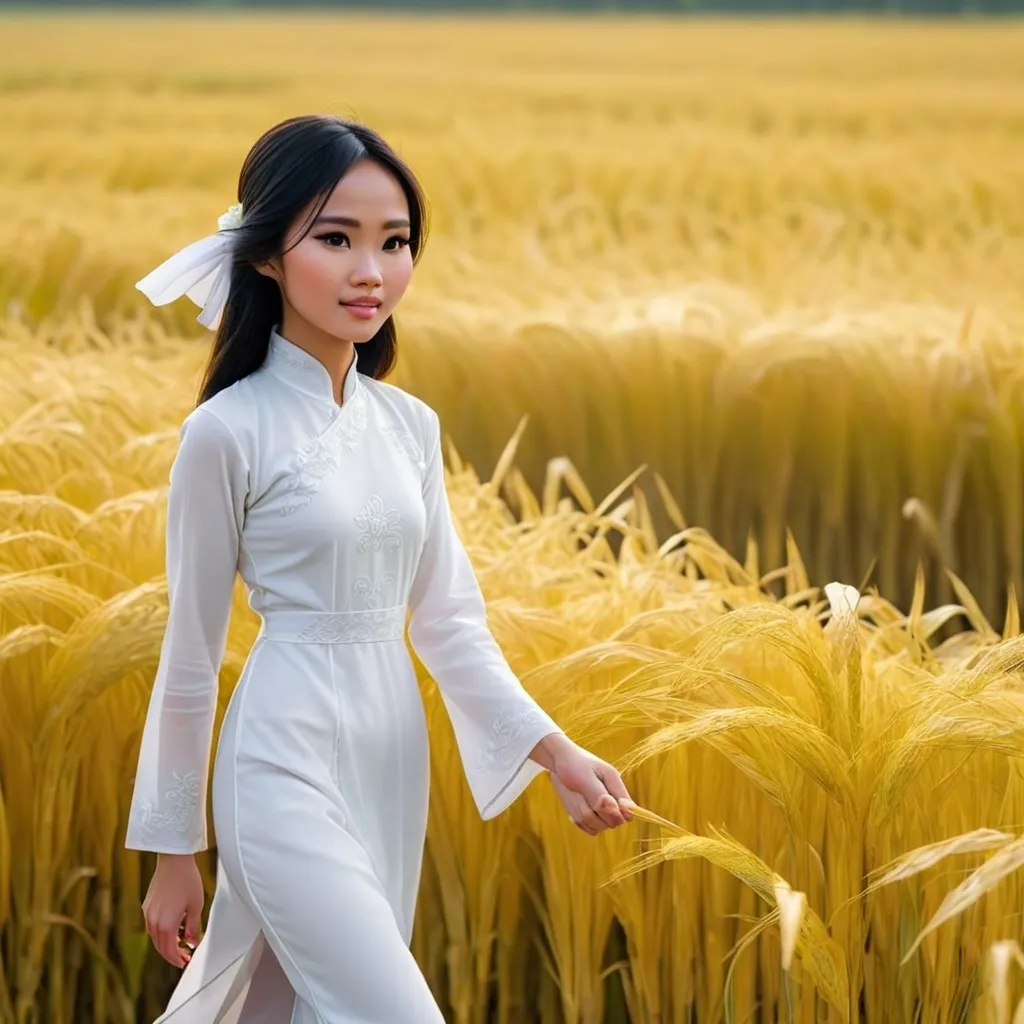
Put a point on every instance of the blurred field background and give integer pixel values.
(775, 262)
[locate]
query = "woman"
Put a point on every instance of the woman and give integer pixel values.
(323, 487)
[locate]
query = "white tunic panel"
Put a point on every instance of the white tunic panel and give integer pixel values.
(337, 519)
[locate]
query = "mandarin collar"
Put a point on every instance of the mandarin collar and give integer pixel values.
(304, 372)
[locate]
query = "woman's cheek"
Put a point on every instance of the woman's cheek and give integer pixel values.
(401, 277)
(320, 281)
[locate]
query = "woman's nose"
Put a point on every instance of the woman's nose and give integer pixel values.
(366, 271)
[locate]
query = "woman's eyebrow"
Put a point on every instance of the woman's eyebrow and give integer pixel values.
(351, 222)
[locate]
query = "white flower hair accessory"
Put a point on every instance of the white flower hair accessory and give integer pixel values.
(202, 271)
(231, 218)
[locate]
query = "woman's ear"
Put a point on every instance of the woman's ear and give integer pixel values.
(269, 268)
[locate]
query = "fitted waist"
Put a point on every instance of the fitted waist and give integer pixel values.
(357, 627)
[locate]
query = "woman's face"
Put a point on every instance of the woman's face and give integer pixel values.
(345, 277)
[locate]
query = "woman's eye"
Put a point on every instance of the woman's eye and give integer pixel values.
(334, 238)
(396, 242)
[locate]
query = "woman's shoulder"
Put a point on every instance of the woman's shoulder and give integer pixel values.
(409, 408)
(226, 419)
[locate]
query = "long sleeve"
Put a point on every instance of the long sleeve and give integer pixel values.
(496, 722)
(205, 510)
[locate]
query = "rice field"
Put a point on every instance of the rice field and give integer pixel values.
(755, 288)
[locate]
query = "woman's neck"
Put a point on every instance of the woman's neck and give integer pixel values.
(335, 354)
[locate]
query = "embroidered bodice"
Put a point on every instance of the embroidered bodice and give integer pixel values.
(337, 513)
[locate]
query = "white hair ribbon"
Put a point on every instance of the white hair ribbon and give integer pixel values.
(202, 271)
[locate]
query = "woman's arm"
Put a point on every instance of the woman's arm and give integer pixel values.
(497, 723)
(205, 511)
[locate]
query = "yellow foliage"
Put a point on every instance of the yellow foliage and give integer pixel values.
(775, 263)
(810, 759)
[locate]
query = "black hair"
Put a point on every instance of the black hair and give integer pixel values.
(294, 164)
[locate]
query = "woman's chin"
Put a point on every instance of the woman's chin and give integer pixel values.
(352, 334)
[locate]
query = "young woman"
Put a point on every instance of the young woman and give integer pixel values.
(323, 487)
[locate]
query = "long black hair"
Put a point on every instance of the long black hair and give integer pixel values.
(296, 163)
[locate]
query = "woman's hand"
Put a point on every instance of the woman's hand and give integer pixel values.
(175, 895)
(591, 790)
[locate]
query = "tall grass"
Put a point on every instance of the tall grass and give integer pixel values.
(790, 748)
(776, 262)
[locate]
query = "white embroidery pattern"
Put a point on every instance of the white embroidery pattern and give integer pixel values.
(508, 727)
(322, 455)
(370, 591)
(378, 529)
(356, 627)
(182, 801)
(405, 443)
(300, 364)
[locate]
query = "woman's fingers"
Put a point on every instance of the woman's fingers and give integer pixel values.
(167, 944)
(604, 796)
(583, 817)
(165, 938)
(594, 795)
(599, 801)
(194, 924)
(617, 788)
(608, 811)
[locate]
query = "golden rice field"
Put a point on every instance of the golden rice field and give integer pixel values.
(776, 263)
(793, 747)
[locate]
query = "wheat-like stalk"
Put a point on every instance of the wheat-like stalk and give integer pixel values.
(776, 264)
(755, 289)
(809, 762)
